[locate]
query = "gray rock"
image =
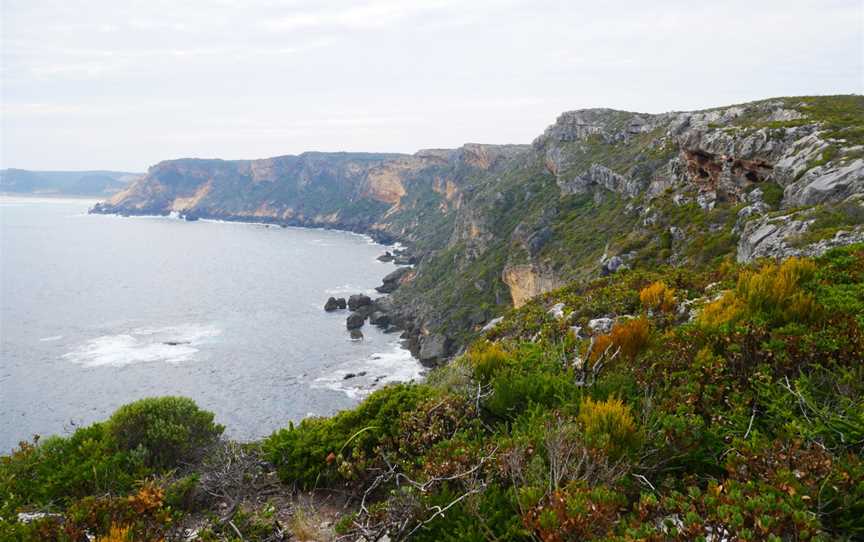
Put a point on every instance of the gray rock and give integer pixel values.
(334, 304)
(433, 348)
(602, 176)
(378, 318)
(774, 238)
(601, 325)
(612, 265)
(829, 183)
(748, 213)
(396, 275)
(356, 335)
(365, 311)
(384, 304)
(29, 517)
(556, 311)
(492, 323)
(355, 321)
(767, 237)
(707, 200)
(358, 300)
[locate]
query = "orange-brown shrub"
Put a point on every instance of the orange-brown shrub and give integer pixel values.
(631, 336)
(658, 296)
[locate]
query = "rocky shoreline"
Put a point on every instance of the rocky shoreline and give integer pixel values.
(430, 350)
(383, 313)
(380, 237)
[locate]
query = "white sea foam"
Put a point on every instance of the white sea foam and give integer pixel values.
(172, 344)
(395, 365)
(51, 338)
(349, 289)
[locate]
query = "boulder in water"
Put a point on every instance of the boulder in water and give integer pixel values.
(358, 300)
(333, 304)
(355, 321)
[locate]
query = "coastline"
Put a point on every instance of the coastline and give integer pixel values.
(405, 323)
(407, 342)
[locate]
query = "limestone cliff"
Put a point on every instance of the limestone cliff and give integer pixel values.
(599, 191)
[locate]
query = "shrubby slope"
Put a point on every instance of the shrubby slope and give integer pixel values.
(723, 403)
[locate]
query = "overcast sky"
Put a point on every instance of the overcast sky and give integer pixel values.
(120, 84)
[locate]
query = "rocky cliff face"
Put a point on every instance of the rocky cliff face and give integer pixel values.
(599, 191)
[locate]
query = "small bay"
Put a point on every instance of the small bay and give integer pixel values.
(97, 311)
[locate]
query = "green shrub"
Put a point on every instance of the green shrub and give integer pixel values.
(168, 430)
(59, 470)
(340, 447)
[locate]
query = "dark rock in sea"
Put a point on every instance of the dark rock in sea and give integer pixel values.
(332, 304)
(358, 300)
(340, 303)
(190, 217)
(356, 335)
(379, 318)
(353, 375)
(365, 311)
(175, 343)
(391, 281)
(386, 257)
(386, 288)
(355, 321)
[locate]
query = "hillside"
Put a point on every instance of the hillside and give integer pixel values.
(66, 183)
(598, 191)
(650, 405)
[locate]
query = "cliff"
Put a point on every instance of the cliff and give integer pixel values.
(600, 190)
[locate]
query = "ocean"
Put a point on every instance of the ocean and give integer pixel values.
(97, 311)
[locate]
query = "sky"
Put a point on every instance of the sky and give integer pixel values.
(123, 84)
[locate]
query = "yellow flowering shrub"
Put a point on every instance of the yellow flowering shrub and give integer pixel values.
(607, 425)
(657, 296)
(772, 294)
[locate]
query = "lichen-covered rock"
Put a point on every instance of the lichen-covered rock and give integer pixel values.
(778, 237)
(600, 326)
(602, 176)
(828, 183)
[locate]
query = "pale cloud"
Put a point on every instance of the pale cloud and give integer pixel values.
(126, 83)
(366, 16)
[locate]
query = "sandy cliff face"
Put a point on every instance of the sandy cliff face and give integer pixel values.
(525, 282)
